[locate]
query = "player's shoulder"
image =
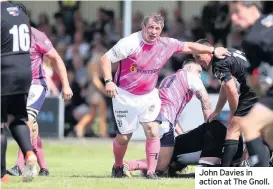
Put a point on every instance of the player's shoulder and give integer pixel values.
(132, 40)
(260, 30)
(168, 40)
(192, 77)
(134, 37)
(36, 32)
(10, 13)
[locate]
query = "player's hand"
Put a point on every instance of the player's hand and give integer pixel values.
(212, 116)
(111, 89)
(67, 93)
(221, 52)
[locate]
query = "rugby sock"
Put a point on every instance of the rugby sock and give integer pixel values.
(229, 150)
(38, 149)
(119, 152)
(3, 153)
(258, 154)
(152, 152)
(137, 164)
(21, 134)
(20, 159)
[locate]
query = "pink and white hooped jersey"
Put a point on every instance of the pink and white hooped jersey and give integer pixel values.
(176, 91)
(140, 62)
(40, 46)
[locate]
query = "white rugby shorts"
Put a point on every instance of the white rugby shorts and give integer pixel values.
(130, 110)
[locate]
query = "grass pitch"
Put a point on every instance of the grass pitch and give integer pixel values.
(86, 164)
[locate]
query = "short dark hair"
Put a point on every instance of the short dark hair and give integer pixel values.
(257, 4)
(189, 61)
(203, 41)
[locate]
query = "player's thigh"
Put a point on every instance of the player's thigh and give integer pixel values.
(194, 137)
(4, 113)
(267, 134)
(35, 101)
(149, 112)
(233, 129)
(16, 108)
(151, 105)
(246, 101)
(125, 113)
(167, 141)
(259, 117)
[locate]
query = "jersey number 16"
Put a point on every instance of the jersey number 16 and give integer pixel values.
(21, 37)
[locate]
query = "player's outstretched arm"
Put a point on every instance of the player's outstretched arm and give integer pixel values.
(196, 48)
(59, 66)
(203, 96)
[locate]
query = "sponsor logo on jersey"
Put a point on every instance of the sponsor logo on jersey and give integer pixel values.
(133, 68)
(13, 11)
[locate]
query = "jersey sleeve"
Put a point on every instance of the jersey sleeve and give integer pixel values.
(253, 54)
(120, 51)
(195, 83)
(221, 71)
(177, 45)
(43, 44)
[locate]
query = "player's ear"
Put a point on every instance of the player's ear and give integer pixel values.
(143, 26)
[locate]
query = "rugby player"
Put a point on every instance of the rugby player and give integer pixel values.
(224, 70)
(175, 92)
(16, 80)
(40, 47)
(135, 99)
(258, 46)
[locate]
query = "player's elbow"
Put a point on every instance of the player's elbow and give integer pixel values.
(104, 59)
(54, 56)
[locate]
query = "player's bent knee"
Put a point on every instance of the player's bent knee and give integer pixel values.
(152, 130)
(123, 139)
(233, 134)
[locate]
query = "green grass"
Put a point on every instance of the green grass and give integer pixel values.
(86, 164)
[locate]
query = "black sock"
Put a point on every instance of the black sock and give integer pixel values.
(258, 154)
(229, 150)
(3, 153)
(240, 150)
(21, 134)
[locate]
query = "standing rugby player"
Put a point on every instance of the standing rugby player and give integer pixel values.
(224, 70)
(15, 84)
(135, 99)
(258, 46)
(40, 47)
